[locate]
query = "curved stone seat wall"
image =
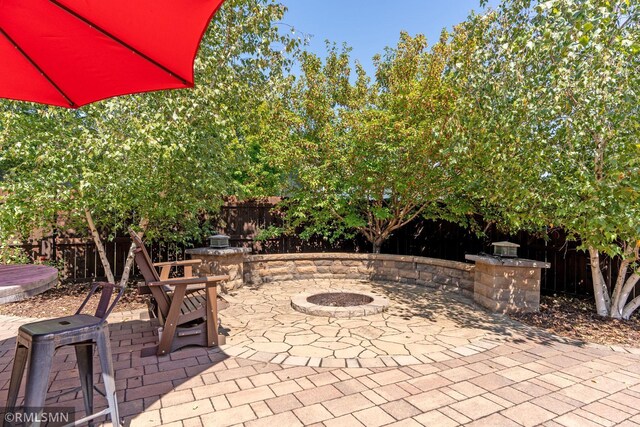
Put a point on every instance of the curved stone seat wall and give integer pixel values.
(450, 275)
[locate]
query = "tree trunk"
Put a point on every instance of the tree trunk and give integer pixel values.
(101, 252)
(630, 308)
(378, 240)
(617, 299)
(127, 266)
(621, 290)
(599, 287)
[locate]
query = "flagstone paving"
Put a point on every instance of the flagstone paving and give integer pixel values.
(419, 326)
(525, 378)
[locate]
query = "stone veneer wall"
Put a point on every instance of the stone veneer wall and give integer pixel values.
(507, 285)
(449, 275)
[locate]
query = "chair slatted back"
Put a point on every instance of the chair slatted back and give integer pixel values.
(149, 272)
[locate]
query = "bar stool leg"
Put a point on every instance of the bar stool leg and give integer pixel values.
(104, 350)
(19, 363)
(84, 356)
(38, 374)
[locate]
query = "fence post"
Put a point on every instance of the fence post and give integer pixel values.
(54, 249)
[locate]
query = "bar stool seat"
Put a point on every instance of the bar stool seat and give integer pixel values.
(37, 342)
(60, 326)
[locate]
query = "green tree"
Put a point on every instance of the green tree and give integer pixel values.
(365, 156)
(550, 113)
(161, 159)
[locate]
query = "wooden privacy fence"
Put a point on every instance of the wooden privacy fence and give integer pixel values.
(569, 273)
(79, 261)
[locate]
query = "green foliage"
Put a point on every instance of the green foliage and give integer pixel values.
(360, 155)
(166, 157)
(268, 233)
(10, 254)
(551, 114)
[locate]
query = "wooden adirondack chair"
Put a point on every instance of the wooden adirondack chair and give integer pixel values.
(186, 306)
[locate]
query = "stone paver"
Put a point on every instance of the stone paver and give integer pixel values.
(312, 414)
(400, 409)
(476, 407)
(506, 375)
(528, 414)
(373, 417)
(435, 418)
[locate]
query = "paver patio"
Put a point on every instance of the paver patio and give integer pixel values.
(520, 377)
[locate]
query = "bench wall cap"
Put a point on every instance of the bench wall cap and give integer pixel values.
(218, 251)
(508, 262)
(345, 256)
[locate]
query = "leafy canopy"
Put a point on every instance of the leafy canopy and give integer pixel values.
(551, 113)
(362, 155)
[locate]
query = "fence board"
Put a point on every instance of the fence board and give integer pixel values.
(569, 272)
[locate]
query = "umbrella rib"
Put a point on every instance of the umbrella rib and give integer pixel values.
(119, 41)
(37, 67)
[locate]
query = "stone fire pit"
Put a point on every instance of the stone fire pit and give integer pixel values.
(339, 303)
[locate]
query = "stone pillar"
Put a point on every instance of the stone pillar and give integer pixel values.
(216, 261)
(507, 285)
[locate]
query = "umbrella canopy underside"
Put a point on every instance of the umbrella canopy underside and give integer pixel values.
(73, 52)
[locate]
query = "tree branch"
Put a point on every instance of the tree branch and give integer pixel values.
(99, 247)
(144, 223)
(630, 308)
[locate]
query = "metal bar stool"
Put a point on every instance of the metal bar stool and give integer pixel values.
(37, 342)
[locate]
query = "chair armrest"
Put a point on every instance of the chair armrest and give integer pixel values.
(177, 263)
(189, 281)
(165, 267)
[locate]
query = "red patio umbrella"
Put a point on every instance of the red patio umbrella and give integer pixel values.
(73, 52)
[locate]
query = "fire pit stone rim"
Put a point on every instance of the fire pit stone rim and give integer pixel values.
(378, 305)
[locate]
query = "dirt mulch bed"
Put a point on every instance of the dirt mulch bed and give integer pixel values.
(576, 318)
(64, 300)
